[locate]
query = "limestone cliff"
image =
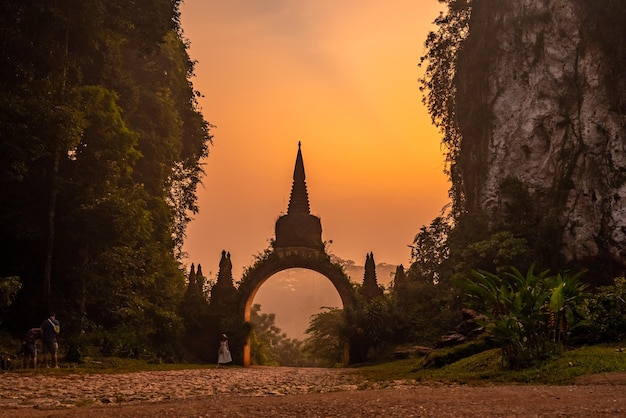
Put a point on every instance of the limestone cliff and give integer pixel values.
(541, 109)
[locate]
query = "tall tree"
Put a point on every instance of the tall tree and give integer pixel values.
(439, 85)
(102, 141)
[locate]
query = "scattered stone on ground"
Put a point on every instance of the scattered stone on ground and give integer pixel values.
(285, 391)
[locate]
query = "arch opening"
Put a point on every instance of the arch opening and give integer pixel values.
(278, 262)
(293, 296)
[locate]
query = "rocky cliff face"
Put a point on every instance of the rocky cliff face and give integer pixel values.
(541, 104)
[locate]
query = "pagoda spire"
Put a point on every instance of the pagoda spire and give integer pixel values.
(299, 199)
(225, 273)
(370, 289)
(223, 292)
(298, 228)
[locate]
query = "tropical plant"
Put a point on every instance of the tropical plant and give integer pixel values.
(530, 316)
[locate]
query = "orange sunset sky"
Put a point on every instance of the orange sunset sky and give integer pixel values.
(342, 77)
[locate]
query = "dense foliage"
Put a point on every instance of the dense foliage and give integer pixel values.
(9, 287)
(530, 316)
(271, 347)
(439, 85)
(606, 315)
(100, 144)
(328, 336)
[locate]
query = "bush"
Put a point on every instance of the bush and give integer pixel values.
(606, 313)
(530, 316)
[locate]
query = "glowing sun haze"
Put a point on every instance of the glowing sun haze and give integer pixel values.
(340, 76)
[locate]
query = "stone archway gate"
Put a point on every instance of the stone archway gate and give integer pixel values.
(286, 258)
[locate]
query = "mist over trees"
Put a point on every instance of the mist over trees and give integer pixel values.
(100, 145)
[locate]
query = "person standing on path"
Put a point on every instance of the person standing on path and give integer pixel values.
(50, 327)
(29, 347)
(223, 354)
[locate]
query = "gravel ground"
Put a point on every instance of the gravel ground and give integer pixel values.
(295, 392)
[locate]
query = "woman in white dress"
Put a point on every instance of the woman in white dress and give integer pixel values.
(223, 355)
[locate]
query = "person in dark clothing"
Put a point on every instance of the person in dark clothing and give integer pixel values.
(29, 347)
(50, 327)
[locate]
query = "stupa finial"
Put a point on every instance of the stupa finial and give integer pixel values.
(299, 199)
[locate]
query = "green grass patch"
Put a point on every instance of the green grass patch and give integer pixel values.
(449, 355)
(486, 368)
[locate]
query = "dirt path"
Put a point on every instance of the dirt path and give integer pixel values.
(291, 392)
